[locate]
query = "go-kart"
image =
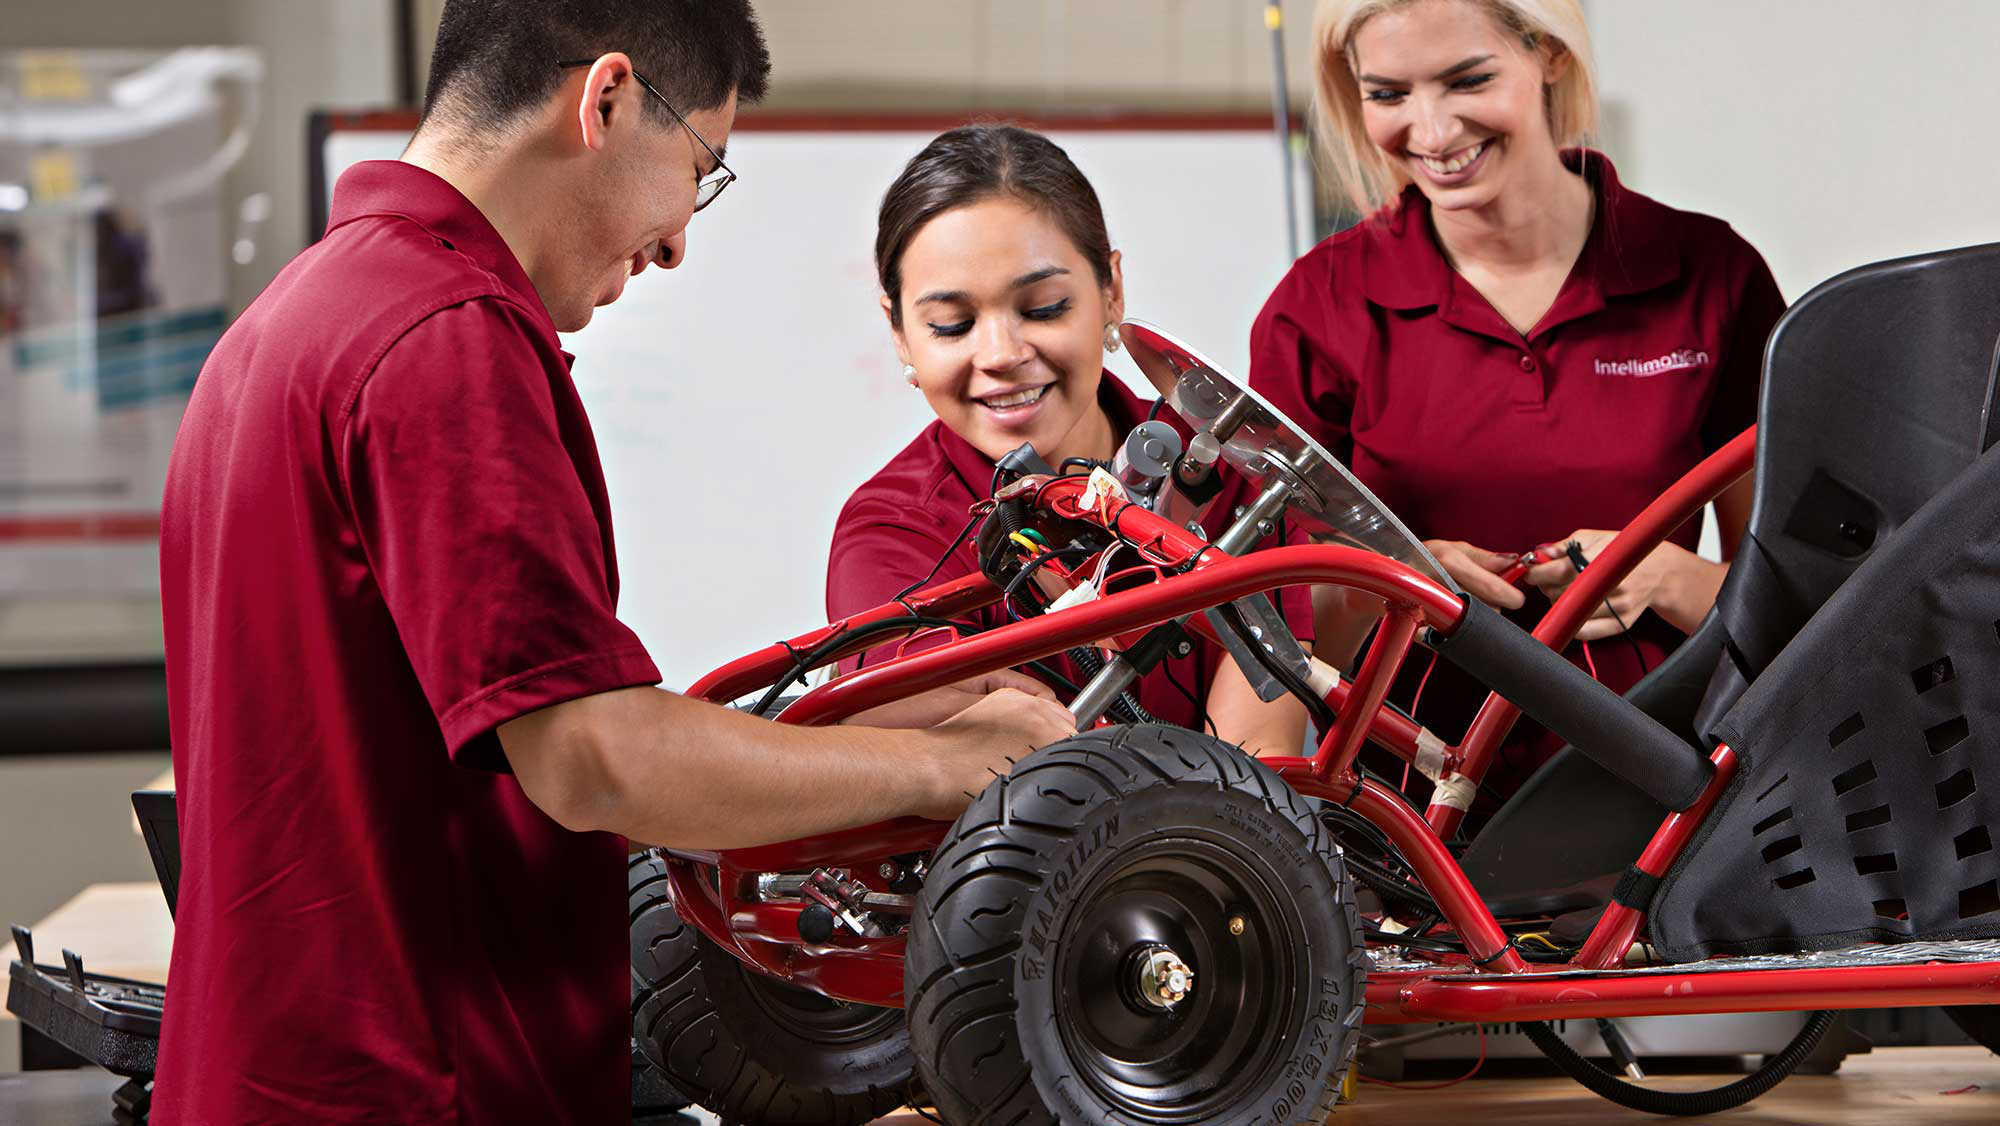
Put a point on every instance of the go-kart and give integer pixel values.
(1143, 924)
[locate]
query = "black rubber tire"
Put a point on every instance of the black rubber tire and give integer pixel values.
(1981, 1022)
(1118, 828)
(748, 1048)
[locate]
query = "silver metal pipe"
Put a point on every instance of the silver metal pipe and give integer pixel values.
(1097, 696)
(1118, 675)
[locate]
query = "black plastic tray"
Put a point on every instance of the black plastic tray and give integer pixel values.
(113, 1022)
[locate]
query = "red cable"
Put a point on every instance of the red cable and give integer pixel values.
(1476, 1065)
(1587, 662)
(1404, 785)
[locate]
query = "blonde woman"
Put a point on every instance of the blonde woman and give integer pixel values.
(1513, 348)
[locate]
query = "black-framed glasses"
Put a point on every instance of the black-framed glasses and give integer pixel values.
(706, 188)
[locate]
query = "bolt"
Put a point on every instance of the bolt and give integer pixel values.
(1182, 649)
(887, 871)
(1164, 980)
(1236, 925)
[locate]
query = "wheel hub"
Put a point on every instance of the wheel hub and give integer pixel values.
(1164, 979)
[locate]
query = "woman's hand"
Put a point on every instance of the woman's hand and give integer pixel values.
(1671, 581)
(1478, 571)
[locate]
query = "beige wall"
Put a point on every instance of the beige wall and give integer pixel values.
(1008, 54)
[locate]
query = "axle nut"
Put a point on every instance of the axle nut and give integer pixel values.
(1164, 979)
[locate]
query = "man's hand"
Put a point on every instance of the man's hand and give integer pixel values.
(928, 709)
(985, 741)
(1478, 571)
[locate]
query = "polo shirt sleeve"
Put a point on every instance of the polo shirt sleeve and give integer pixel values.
(1291, 364)
(478, 525)
(1757, 305)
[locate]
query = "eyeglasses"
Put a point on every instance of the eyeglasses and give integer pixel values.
(707, 187)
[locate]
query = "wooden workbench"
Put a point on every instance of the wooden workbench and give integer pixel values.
(124, 929)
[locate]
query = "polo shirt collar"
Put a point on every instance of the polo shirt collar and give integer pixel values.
(402, 190)
(1124, 408)
(1631, 249)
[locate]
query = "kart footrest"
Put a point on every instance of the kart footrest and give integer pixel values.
(113, 1022)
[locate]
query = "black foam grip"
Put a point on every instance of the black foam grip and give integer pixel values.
(1564, 699)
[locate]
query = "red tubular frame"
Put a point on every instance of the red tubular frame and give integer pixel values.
(1497, 985)
(1558, 627)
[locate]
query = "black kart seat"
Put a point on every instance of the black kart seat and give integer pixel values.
(1869, 791)
(1877, 391)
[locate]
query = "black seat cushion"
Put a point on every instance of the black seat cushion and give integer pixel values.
(1869, 792)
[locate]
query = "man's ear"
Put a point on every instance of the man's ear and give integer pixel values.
(609, 99)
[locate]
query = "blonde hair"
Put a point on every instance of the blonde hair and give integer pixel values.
(1364, 172)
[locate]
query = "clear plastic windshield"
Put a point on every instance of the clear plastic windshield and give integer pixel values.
(1260, 442)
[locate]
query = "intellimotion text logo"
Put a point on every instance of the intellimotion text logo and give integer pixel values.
(1678, 360)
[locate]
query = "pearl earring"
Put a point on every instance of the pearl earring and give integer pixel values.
(1111, 342)
(910, 374)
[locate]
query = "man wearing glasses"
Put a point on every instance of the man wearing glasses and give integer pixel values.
(409, 731)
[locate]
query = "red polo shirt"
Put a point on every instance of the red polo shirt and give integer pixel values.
(1647, 361)
(899, 523)
(385, 533)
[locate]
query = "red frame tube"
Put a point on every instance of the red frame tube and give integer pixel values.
(870, 971)
(1215, 579)
(1615, 929)
(761, 669)
(1378, 671)
(1580, 599)
(1405, 997)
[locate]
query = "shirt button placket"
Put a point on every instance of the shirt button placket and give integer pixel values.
(1529, 392)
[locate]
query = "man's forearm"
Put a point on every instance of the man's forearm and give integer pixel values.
(675, 771)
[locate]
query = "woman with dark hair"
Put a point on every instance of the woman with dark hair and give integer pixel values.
(1003, 294)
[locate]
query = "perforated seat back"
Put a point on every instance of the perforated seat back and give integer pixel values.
(1870, 781)
(1878, 386)
(1877, 391)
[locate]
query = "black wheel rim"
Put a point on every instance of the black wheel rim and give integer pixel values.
(817, 1019)
(1195, 1061)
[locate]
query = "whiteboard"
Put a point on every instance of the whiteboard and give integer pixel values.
(739, 399)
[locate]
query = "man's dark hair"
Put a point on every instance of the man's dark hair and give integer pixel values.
(497, 58)
(976, 162)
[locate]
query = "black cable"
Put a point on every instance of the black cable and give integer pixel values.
(803, 665)
(1322, 715)
(1684, 1103)
(1576, 559)
(939, 565)
(1199, 704)
(1056, 679)
(1413, 941)
(1014, 584)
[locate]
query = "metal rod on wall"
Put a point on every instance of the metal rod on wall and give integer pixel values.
(407, 93)
(1281, 112)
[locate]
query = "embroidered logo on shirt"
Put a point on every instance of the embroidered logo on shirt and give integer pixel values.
(1681, 359)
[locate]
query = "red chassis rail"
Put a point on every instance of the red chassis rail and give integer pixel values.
(711, 890)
